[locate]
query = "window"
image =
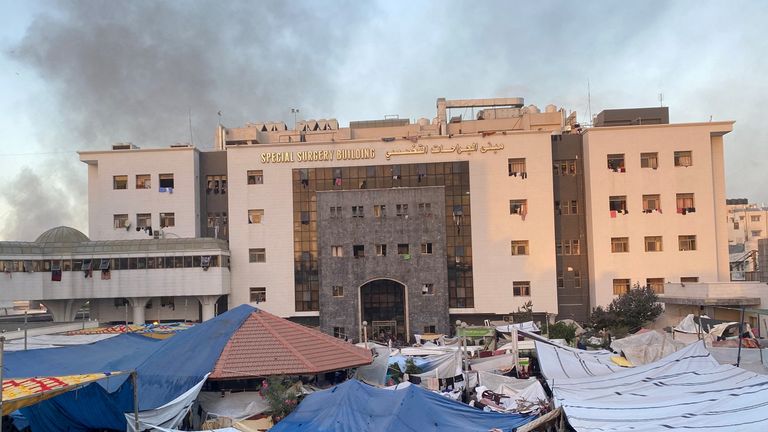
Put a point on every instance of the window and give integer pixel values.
(357, 211)
(381, 250)
(425, 209)
(521, 288)
(616, 162)
(336, 212)
(255, 216)
(167, 220)
(567, 247)
(166, 180)
(403, 249)
(576, 279)
(618, 204)
(560, 281)
(649, 160)
(339, 332)
(567, 207)
(689, 279)
(651, 203)
(338, 291)
(255, 177)
(519, 247)
(380, 211)
(565, 167)
(683, 158)
(620, 286)
(619, 244)
(120, 182)
(756, 233)
(120, 221)
(426, 248)
(517, 167)
(358, 251)
(518, 207)
(653, 244)
(143, 220)
(685, 203)
(258, 255)
(258, 294)
(687, 242)
(428, 289)
(754, 218)
(656, 284)
(216, 184)
(143, 181)
(337, 251)
(401, 210)
(429, 329)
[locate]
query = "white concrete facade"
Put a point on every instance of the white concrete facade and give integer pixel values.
(493, 228)
(104, 201)
(704, 178)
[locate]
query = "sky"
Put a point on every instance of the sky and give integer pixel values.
(82, 75)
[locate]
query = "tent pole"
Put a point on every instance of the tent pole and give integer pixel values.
(741, 333)
(2, 348)
(135, 381)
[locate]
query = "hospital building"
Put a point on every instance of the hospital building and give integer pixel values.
(404, 225)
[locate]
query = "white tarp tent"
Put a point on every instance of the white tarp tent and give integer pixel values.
(529, 390)
(687, 390)
(647, 347)
(529, 326)
(559, 362)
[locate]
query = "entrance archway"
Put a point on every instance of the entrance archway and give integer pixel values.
(383, 307)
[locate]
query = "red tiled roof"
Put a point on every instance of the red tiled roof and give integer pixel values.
(266, 345)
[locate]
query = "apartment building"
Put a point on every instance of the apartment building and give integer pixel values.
(403, 227)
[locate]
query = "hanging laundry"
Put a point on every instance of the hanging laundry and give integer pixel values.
(106, 275)
(337, 181)
(613, 214)
(56, 275)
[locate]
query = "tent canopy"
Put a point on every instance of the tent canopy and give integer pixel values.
(687, 390)
(166, 369)
(354, 406)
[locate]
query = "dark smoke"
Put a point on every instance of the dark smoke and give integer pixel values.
(133, 72)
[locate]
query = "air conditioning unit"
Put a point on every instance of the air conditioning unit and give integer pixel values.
(156, 235)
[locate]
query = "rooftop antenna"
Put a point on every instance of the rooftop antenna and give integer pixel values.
(661, 99)
(589, 102)
(191, 140)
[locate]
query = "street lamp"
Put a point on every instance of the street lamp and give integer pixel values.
(294, 111)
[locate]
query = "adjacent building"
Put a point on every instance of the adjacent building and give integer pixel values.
(399, 227)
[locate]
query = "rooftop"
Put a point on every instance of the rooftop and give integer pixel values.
(266, 345)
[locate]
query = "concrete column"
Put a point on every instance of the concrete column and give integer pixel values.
(138, 304)
(209, 305)
(63, 310)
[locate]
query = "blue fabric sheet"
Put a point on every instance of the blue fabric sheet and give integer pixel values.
(354, 406)
(166, 369)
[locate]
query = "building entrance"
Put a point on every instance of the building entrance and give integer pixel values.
(383, 308)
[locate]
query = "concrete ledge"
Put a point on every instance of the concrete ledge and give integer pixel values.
(710, 301)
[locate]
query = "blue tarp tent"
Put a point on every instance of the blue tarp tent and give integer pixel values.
(166, 369)
(354, 406)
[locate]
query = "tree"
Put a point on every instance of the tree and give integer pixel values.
(562, 330)
(280, 396)
(630, 310)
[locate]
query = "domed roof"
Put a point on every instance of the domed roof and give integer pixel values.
(62, 234)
